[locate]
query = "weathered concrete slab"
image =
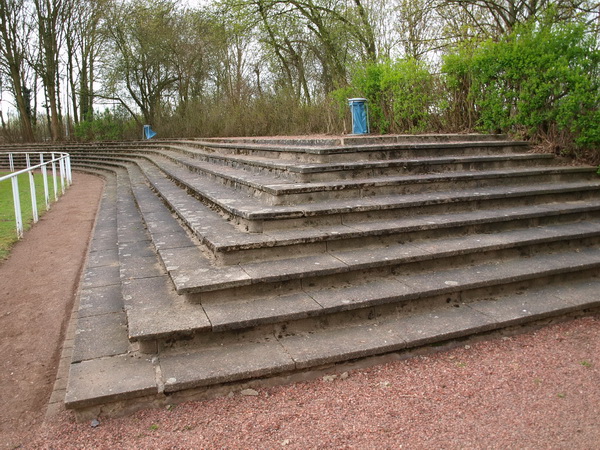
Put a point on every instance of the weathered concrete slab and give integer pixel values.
(443, 324)
(501, 272)
(386, 256)
(139, 267)
(550, 301)
(100, 300)
(107, 218)
(139, 248)
(362, 295)
(270, 271)
(222, 365)
(107, 257)
(342, 344)
(107, 241)
(172, 240)
(99, 336)
(192, 272)
(235, 315)
(145, 197)
(131, 231)
(155, 311)
(100, 276)
(156, 223)
(584, 294)
(109, 379)
(517, 309)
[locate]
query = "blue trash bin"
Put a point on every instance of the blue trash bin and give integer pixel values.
(148, 133)
(360, 115)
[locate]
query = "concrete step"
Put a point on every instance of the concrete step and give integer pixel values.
(164, 316)
(251, 215)
(312, 172)
(192, 271)
(351, 194)
(229, 246)
(362, 140)
(375, 150)
(153, 295)
(307, 307)
(102, 323)
(102, 384)
(254, 215)
(179, 298)
(191, 262)
(319, 172)
(276, 191)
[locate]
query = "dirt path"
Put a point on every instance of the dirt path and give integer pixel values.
(539, 390)
(37, 288)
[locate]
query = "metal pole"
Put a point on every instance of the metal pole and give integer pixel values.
(32, 193)
(54, 178)
(16, 198)
(61, 167)
(69, 173)
(45, 178)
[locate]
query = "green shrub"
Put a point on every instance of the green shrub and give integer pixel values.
(459, 111)
(401, 95)
(541, 81)
(107, 126)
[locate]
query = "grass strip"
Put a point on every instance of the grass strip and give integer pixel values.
(8, 227)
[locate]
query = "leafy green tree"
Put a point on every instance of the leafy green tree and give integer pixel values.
(540, 81)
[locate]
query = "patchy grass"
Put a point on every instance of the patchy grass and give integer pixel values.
(8, 228)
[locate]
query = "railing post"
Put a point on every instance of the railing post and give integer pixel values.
(32, 192)
(61, 167)
(45, 179)
(16, 198)
(54, 178)
(69, 174)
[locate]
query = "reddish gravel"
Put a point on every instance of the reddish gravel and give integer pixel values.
(536, 390)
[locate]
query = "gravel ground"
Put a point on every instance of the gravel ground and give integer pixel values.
(537, 390)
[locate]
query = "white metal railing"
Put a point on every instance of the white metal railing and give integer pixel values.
(46, 159)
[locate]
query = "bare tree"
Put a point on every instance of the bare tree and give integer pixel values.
(83, 42)
(141, 65)
(501, 16)
(49, 16)
(416, 24)
(14, 37)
